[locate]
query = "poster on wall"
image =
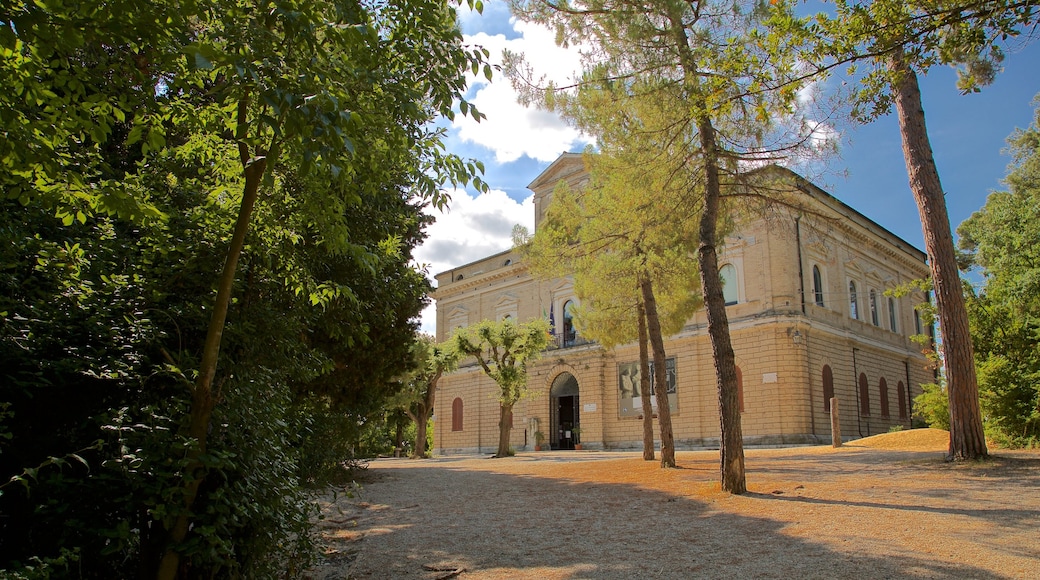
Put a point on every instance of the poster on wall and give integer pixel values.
(630, 403)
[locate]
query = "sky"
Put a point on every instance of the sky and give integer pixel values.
(968, 134)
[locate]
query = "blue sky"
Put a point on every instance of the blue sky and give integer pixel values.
(967, 132)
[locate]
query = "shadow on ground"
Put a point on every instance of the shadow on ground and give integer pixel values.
(440, 515)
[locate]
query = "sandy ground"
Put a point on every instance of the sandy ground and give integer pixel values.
(882, 507)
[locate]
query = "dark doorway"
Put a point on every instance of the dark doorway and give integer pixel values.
(564, 408)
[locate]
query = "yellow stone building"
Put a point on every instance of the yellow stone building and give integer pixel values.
(808, 317)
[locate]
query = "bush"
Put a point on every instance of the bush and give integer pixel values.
(934, 406)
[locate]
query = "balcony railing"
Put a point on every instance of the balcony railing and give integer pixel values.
(567, 340)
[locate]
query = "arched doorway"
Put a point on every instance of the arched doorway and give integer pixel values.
(563, 408)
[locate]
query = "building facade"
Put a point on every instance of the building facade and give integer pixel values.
(805, 287)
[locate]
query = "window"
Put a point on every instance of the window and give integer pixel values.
(900, 390)
(864, 395)
(740, 390)
(570, 335)
(728, 274)
(883, 393)
(456, 414)
(853, 301)
(917, 322)
(892, 314)
(828, 388)
(817, 283)
(874, 317)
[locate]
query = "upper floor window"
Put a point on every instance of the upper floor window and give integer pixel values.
(853, 301)
(892, 315)
(728, 274)
(570, 335)
(917, 322)
(817, 283)
(874, 316)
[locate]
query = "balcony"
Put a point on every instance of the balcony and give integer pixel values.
(567, 340)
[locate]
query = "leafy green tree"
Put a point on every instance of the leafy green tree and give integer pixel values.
(419, 387)
(629, 262)
(1000, 240)
(503, 349)
(897, 40)
(704, 85)
(170, 141)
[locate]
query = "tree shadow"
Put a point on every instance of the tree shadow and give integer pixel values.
(523, 526)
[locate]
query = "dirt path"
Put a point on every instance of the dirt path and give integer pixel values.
(864, 512)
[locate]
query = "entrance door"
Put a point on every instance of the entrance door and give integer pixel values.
(567, 411)
(564, 407)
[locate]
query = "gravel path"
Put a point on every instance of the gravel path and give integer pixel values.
(809, 513)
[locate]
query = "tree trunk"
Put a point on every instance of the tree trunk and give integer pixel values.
(644, 387)
(664, 413)
(422, 418)
(504, 427)
(398, 436)
(731, 441)
(967, 439)
(203, 399)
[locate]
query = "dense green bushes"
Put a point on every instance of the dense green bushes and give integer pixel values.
(131, 139)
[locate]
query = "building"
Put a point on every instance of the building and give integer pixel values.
(808, 316)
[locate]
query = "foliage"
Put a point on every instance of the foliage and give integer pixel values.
(683, 97)
(503, 349)
(1000, 240)
(606, 236)
(418, 393)
(967, 34)
(898, 40)
(134, 136)
(933, 405)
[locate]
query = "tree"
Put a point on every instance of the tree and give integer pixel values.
(419, 391)
(898, 40)
(167, 130)
(503, 349)
(701, 83)
(1000, 240)
(626, 257)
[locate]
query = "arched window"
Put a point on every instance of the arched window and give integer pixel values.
(828, 388)
(892, 314)
(456, 414)
(728, 274)
(740, 390)
(864, 395)
(883, 394)
(874, 308)
(817, 284)
(901, 391)
(569, 333)
(853, 301)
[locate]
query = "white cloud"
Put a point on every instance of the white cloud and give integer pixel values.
(472, 228)
(511, 129)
